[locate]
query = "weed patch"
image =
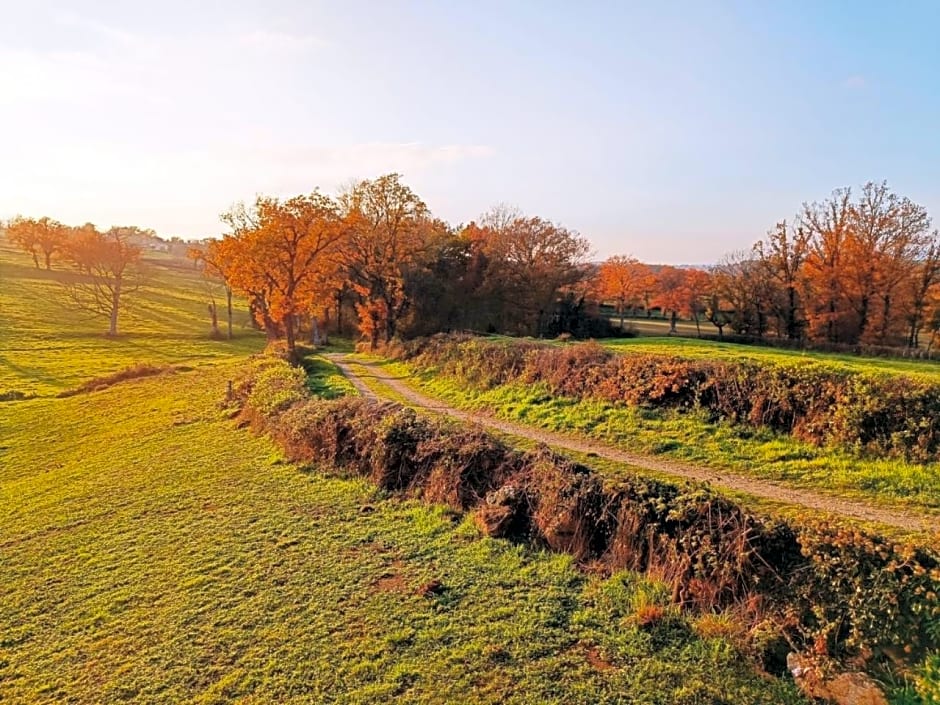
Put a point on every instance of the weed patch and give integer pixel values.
(137, 371)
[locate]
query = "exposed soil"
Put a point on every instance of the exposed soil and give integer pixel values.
(764, 489)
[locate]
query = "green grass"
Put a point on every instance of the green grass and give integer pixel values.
(152, 552)
(689, 437)
(324, 378)
(47, 347)
(713, 350)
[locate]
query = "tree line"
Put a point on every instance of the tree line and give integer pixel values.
(860, 267)
(376, 254)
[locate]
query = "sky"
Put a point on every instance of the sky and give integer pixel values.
(672, 131)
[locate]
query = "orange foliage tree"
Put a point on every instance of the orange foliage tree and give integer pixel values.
(530, 262)
(276, 255)
(620, 279)
(672, 294)
(388, 230)
(214, 267)
(35, 236)
(698, 286)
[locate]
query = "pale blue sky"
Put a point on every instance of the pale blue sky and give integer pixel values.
(676, 131)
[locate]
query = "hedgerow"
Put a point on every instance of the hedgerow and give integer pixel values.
(891, 416)
(841, 593)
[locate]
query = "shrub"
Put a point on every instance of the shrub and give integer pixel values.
(928, 680)
(568, 508)
(464, 465)
(275, 387)
(861, 593)
(890, 416)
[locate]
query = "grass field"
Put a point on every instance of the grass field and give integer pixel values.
(705, 349)
(660, 326)
(46, 347)
(153, 552)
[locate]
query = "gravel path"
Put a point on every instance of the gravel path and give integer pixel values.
(764, 489)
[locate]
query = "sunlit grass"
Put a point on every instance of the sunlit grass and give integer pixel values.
(713, 350)
(152, 552)
(47, 347)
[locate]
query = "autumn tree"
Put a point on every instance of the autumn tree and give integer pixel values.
(530, 261)
(672, 295)
(923, 283)
(276, 255)
(828, 225)
(109, 269)
(389, 230)
(38, 236)
(885, 233)
(619, 280)
(698, 287)
(782, 255)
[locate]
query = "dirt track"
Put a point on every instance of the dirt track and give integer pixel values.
(763, 489)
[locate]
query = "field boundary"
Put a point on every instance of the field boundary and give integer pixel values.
(721, 479)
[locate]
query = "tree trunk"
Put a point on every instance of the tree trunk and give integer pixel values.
(389, 322)
(228, 303)
(886, 312)
(115, 306)
(913, 336)
(831, 322)
(672, 323)
(314, 330)
(862, 319)
(791, 313)
(621, 316)
(48, 255)
(339, 313)
(214, 319)
(36, 259)
(290, 333)
(698, 329)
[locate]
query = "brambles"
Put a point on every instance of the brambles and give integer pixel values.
(881, 415)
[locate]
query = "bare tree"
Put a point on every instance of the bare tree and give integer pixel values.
(108, 267)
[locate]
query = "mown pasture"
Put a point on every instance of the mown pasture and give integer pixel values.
(48, 347)
(152, 551)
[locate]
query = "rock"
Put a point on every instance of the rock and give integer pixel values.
(494, 520)
(849, 688)
(497, 515)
